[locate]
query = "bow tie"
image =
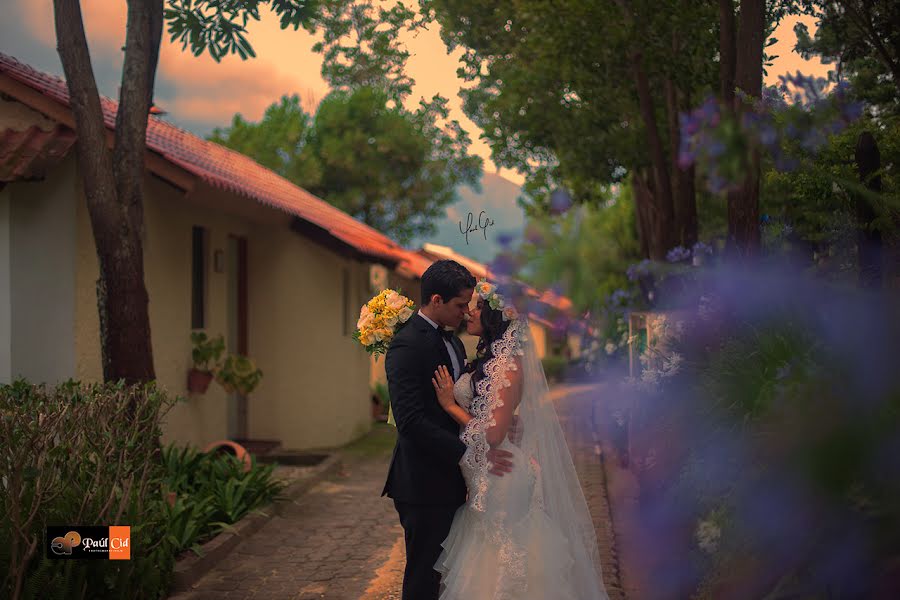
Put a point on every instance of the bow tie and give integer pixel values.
(447, 334)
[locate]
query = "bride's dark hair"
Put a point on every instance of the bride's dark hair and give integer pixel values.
(493, 327)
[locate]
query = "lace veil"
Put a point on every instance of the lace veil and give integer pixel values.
(557, 490)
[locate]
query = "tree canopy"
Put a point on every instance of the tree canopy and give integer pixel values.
(394, 168)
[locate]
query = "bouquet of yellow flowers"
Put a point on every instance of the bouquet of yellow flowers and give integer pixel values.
(379, 320)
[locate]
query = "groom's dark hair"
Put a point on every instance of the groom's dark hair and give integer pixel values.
(446, 278)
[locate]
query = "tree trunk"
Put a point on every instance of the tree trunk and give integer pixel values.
(655, 227)
(641, 213)
(684, 194)
(727, 49)
(658, 203)
(113, 181)
(663, 218)
(868, 161)
(743, 203)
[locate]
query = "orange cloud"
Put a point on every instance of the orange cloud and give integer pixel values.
(212, 92)
(104, 22)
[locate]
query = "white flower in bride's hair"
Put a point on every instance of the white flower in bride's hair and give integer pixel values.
(484, 289)
(510, 313)
(405, 314)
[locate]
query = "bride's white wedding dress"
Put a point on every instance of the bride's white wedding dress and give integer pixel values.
(527, 535)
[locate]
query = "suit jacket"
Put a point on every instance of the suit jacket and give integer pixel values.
(425, 465)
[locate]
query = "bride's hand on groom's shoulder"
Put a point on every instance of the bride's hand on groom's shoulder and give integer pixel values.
(443, 386)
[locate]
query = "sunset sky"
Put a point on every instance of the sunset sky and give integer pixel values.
(200, 94)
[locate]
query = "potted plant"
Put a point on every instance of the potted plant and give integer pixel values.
(238, 374)
(205, 351)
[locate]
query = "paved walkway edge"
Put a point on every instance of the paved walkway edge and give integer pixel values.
(612, 581)
(622, 494)
(190, 569)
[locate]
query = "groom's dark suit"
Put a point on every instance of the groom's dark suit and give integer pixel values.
(424, 479)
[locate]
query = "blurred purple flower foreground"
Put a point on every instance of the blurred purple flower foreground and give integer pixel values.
(765, 436)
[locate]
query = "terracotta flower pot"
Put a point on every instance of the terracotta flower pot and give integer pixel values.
(231, 448)
(198, 381)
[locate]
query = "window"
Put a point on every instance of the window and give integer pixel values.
(198, 277)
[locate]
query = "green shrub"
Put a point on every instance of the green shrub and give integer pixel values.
(89, 454)
(82, 454)
(212, 491)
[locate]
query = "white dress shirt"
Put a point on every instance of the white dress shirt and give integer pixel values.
(456, 368)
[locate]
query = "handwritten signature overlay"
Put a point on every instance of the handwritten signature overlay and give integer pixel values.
(483, 223)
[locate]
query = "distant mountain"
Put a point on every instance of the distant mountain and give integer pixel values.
(497, 200)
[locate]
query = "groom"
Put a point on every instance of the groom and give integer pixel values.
(424, 478)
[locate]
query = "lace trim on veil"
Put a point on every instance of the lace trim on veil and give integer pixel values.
(486, 400)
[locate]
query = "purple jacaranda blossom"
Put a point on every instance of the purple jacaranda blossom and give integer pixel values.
(560, 201)
(678, 254)
(772, 98)
(504, 265)
(709, 111)
(688, 123)
(506, 239)
(701, 248)
(813, 140)
(638, 270)
(535, 307)
(852, 110)
(619, 297)
(768, 135)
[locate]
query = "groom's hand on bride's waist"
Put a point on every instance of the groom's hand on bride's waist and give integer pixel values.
(500, 462)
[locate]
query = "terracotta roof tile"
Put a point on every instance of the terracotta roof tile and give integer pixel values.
(29, 154)
(227, 170)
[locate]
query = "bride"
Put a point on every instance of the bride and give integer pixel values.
(527, 535)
